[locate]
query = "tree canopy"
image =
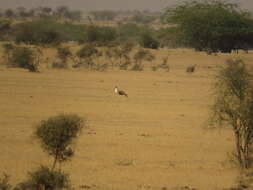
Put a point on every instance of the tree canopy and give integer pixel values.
(212, 25)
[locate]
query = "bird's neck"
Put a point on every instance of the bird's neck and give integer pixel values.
(116, 90)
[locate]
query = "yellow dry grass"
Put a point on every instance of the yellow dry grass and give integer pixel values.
(151, 140)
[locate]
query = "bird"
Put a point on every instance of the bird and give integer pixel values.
(120, 92)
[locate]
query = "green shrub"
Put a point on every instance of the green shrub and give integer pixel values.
(45, 179)
(24, 57)
(100, 35)
(148, 40)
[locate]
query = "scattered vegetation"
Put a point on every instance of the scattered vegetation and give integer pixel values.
(104, 15)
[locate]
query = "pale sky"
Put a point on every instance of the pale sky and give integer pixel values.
(88, 5)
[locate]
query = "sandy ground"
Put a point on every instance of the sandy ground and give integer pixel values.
(155, 139)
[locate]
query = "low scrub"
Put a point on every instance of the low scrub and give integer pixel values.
(4, 182)
(137, 67)
(24, 57)
(59, 65)
(46, 179)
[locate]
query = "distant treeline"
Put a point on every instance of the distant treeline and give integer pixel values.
(63, 12)
(50, 31)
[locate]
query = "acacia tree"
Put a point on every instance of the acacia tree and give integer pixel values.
(212, 26)
(56, 135)
(234, 106)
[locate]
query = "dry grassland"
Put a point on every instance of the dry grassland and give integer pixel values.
(155, 139)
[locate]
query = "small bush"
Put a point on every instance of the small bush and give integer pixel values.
(8, 50)
(4, 182)
(86, 55)
(59, 65)
(24, 57)
(154, 68)
(137, 67)
(45, 179)
(63, 53)
(142, 55)
(191, 69)
(102, 67)
(124, 66)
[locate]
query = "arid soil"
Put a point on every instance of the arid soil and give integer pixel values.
(157, 138)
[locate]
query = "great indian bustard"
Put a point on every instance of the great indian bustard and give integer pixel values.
(119, 92)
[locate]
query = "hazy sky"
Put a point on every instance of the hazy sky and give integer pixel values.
(87, 5)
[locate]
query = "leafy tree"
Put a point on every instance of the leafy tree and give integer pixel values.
(9, 13)
(212, 25)
(56, 135)
(62, 11)
(233, 106)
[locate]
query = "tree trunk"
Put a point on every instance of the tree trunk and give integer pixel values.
(238, 148)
